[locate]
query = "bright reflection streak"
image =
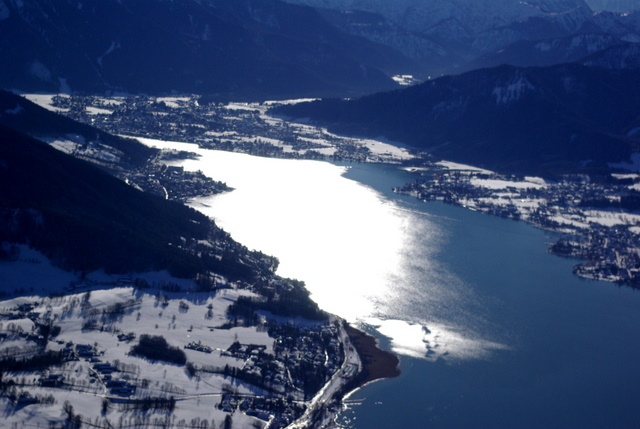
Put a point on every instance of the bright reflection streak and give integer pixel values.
(337, 235)
(361, 256)
(406, 338)
(435, 342)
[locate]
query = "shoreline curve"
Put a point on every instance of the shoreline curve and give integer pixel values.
(377, 363)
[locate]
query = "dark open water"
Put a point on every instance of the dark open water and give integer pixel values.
(571, 347)
(492, 331)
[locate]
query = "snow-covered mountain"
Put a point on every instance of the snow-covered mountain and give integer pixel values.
(547, 52)
(474, 16)
(614, 5)
(447, 35)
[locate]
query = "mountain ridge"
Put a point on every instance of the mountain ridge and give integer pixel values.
(84, 219)
(22, 115)
(531, 120)
(242, 49)
(448, 37)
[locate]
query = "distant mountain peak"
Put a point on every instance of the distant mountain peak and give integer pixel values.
(614, 5)
(477, 15)
(451, 36)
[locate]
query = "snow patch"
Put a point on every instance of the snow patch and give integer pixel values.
(405, 79)
(173, 102)
(538, 180)
(97, 111)
(608, 218)
(505, 184)
(462, 167)
(66, 146)
(45, 100)
(240, 106)
(632, 176)
(512, 91)
(568, 219)
(287, 102)
(382, 148)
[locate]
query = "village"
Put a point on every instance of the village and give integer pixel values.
(82, 359)
(173, 182)
(595, 217)
(239, 127)
(595, 221)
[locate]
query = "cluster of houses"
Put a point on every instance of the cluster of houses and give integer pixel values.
(120, 387)
(277, 411)
(102, 371)
(99, 370)
(52, 380)
(22, 311)
(244, 351)
(174, 183)
(608, 247)
(317, 346)
(127, 337)
(611, 254)
(15, 329)
(213, 126)
(300, 354)
(199, 347)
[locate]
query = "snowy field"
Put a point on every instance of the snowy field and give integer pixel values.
(107, 316)
(181, 318)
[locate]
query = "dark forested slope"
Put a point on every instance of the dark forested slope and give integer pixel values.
(542, 120)
(238, 49)
(20, 114)
(84, 219)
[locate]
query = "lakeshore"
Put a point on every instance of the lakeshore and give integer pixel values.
(475, 281)
(376, 362)
(364, 362)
